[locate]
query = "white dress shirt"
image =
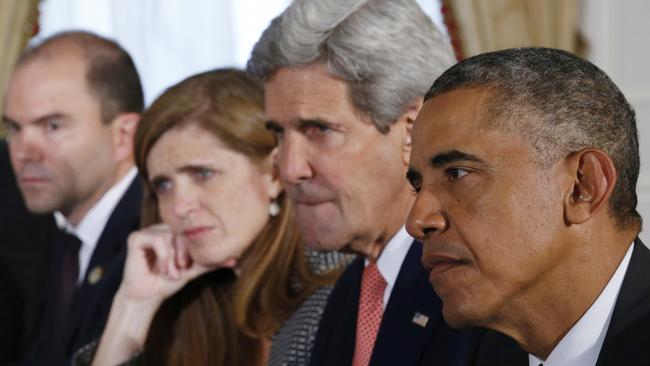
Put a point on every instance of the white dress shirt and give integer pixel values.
(581, 345)
(391, 258)
(92, 225)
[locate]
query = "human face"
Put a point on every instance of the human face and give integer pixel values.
(62, 153)
(489, 215)
(344, 176)
(214, 198)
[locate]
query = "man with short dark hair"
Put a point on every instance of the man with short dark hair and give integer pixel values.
(525, 162)
(344, 83)
(71, 110)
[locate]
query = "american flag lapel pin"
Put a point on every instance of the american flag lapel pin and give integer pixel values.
(95, 275)
(420, 319)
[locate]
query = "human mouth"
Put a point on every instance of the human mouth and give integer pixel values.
(439, 264)
(30, 180)
(310, 201)
(311, 195)
(196, 232)
(32, 175)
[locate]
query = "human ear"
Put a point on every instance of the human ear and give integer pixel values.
(406, 121)
(594, 178)
(124, 127)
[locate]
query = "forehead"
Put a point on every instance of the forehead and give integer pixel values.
(187, 143)
(47, 84)
(454, 117)
(460, 120)
(306, 92)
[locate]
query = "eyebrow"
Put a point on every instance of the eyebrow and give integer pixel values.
(453, 156)
(42, 119)
(301, 122)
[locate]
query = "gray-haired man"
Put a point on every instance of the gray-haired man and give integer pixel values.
(344, 83)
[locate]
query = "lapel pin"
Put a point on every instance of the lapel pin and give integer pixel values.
(95, 275)
(420, 319)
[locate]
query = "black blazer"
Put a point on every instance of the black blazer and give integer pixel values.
(93, 299)
(25, 252)
(399, 340)
(627, 341)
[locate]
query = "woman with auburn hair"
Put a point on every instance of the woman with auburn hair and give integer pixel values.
(219, 265)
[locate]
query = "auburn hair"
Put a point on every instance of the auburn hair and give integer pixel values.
(218, 318)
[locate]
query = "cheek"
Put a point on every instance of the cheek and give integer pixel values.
(244, 209)
(242, 222)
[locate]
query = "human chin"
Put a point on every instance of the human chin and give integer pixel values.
(41, 201)
(456, 315)
(215, 256)
(322, 229)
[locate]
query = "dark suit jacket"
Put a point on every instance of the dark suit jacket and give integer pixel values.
(399, 340)
(25, 252)
(92, 301)
(627, 341)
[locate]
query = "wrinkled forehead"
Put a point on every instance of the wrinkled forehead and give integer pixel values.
(309, 92)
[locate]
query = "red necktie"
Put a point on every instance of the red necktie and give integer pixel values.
(371, 309)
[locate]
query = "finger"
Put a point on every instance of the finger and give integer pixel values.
(156, 248)
(183, 258)
(172, 267)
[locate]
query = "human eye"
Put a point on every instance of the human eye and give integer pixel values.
(316, 128)
(456, 173)
(275, 128)
(161, 186)
(202, 173)
(52, 124)
(415, 180)
(11, 129)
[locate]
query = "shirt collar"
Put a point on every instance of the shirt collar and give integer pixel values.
(582, 344)
(390, 260)
(92, 224)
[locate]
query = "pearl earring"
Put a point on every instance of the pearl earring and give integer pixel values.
(274, 208)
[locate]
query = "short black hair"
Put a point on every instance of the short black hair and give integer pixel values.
(561, 104)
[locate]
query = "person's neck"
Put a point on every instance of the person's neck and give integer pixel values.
(372, 247)
(75, 214)
(539, 318)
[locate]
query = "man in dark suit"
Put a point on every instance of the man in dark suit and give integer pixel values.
(344, 81)
(25, 249)
(525, 162)
(71, 109)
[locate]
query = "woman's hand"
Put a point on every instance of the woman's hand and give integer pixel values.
(157, 266)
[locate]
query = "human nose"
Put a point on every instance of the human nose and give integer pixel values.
(293, 160)
(426, 216)
(185, 201)
(25, 146)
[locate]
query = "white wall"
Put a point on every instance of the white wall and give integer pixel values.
(170, 40)
(618, 37)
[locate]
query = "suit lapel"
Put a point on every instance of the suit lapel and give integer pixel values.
(107, 261)
(628, 335)
(334, 344)
(402, 337)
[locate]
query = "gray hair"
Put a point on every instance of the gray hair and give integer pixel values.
(561, 104)
(389, 51)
